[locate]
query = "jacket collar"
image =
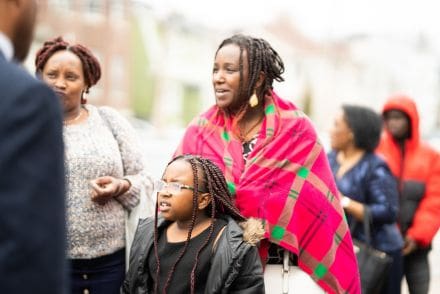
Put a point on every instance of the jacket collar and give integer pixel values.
(6, 48)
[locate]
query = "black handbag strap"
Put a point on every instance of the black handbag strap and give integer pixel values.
(367, 220)
(365, 223)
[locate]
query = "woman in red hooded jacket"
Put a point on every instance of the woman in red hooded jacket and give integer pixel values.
(417, 169)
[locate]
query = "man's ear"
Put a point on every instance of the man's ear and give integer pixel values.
(9, 10)
(204, 200)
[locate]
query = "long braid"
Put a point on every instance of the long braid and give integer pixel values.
(214, 183)
(255, 66)
(156, 250)
(220, 191)
(242, 92)
(217, 188)
(194, 162)
(182, 252)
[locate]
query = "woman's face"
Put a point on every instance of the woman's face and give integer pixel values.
(341, 135)
(226, 77)
(177, 206)
(63, 72)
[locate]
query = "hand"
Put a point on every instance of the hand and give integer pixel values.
(409, 246)
(105, 188)
(345, 201)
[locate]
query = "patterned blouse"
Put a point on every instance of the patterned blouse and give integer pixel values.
(249, 146)
(104, 145)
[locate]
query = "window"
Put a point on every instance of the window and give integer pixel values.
(93, 6)
(61, 4)
(117, 9)
(117, 77)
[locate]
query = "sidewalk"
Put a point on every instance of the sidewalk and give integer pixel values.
(434, 259)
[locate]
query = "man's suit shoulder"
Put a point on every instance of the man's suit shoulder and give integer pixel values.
(15, 82)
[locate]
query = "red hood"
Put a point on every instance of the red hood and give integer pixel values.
(388, 147)
(406, 105)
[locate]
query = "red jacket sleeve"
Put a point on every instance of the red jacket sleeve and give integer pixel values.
(427, 217)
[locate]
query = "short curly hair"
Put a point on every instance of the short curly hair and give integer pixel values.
(91, 66)
(365, 124)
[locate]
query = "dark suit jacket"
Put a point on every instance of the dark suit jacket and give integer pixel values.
(32, 193)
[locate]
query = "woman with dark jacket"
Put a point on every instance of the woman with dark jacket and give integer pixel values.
(195, 245)
(366, 184)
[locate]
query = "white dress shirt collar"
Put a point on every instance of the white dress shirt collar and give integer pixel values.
(6, 47)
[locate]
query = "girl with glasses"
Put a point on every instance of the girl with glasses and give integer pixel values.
(194, 244)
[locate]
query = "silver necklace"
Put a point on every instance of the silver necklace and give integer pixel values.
(69, 121)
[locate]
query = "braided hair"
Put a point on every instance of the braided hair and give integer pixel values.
(261, 57)
(213, 181)
(91, 66)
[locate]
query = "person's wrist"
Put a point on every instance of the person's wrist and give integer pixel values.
(122, 186)
(345, 201)
(125, 185)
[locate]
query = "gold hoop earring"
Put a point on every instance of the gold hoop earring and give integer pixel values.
(253, 101)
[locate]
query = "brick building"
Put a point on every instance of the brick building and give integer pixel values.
(104, 27)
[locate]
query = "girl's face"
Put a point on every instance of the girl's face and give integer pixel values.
(340, 134)
(63, 72)
(177, 204)
(226, 77)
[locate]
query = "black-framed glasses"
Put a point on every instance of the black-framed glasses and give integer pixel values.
(173, 187)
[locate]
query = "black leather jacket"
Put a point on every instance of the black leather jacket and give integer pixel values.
(236, 266)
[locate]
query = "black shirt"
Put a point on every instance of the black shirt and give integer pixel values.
(181, 278)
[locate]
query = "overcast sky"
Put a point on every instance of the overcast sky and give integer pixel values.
(317, 18)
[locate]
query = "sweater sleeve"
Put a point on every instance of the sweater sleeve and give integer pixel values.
(132, 159)
(426, 220)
